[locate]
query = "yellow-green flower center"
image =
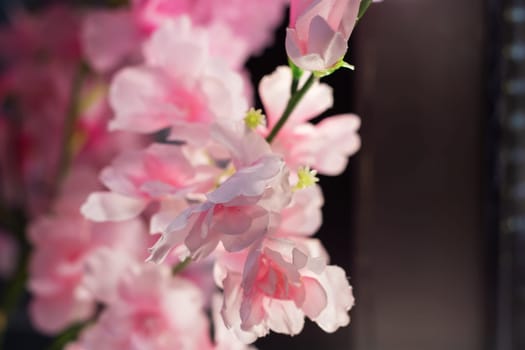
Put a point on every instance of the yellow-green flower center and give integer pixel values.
(254, 118)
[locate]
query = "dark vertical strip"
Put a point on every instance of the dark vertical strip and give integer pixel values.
(495, 324)
(511, 312)
(421, 249)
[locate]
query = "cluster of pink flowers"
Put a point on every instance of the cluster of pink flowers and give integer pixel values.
(160, 194)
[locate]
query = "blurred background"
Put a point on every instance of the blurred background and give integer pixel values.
(429, 218)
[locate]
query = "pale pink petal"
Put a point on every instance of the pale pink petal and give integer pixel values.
(165, 46)
(139, 97)
(349, 18)
(340, 300)
(230, 311)
(104, 268)
(177, 231)
(110, 206)
(336, 140)
(225, 338)
(315, 298)
(284, 317)
(245, 147)
(169, 209)
(52, 315)
(303, 217)
(326, 43)
(248, 182)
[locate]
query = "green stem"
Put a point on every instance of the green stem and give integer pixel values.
(71, 119)
(292, 103)
(67, 336)
(363, 7)
(295, 85)
(16, 285)
(180, 266)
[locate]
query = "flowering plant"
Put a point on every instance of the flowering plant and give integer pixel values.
(151, 141)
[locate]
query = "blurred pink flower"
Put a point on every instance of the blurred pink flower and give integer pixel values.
(317, 36)
(180, 86)
(151, 310)
(62, 242)
(324, 146)
(240, 28)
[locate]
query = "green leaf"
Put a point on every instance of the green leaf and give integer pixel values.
(363, 7)
(338, 65)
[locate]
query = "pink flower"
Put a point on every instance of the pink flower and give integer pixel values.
(135, 179)
(243, 209)
(324, 146)
(152, 310)
(316, 39)
(8, 254)
(63, 242)
(280, 284)
(240, 28)
(179, 87)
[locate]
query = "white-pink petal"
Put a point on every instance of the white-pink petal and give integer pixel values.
(111, 206)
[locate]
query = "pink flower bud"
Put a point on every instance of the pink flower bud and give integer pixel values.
(316, 39)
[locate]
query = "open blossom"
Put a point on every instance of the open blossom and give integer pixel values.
(251, 21)
(180, 86)
(147, 308)
(240, 28)
(243, 209)
(324, 146)
(317, 36)
(137, 178)
(276, 285)
(152, 310)
(63, 242)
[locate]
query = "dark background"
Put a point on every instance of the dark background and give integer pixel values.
(428, 218)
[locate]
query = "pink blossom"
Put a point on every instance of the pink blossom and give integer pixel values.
(240, 28)
(180, 86)
(324, 146)
(244, 208)
(63, 241)
(280, 284)
(137, 178)
(251, 21)
(317, 36)
(152, 310)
